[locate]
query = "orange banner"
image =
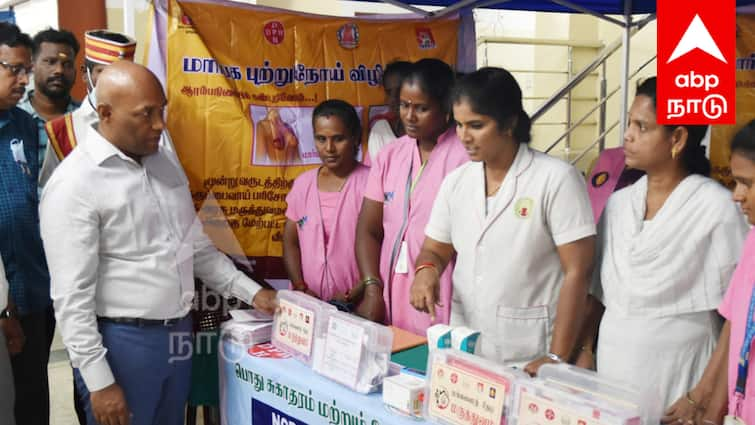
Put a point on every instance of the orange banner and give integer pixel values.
(242, 83)
(721, 135)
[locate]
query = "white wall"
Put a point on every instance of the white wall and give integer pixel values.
(642, 48)
(36, 15)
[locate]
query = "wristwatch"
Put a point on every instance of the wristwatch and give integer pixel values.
(7, 314)
(555, 357)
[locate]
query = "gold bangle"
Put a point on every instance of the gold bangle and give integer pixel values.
(369, 280)
(691, 402)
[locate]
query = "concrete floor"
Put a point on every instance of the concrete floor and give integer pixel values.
(61, 394)
(61, 386)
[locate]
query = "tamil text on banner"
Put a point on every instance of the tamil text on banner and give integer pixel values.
(721, 135)
(242, 83)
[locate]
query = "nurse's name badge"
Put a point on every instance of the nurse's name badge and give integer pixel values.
(523, 207)
(600, 179)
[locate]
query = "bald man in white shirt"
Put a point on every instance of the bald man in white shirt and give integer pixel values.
(123, 247)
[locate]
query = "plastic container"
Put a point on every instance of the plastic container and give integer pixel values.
(563, 392)
(299, 321)
(467, 389)
(354, 352)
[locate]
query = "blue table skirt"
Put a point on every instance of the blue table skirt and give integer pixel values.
(270, 391)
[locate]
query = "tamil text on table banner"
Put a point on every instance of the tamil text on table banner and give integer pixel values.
(260, 385)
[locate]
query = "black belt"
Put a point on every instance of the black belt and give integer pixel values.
(133, 321)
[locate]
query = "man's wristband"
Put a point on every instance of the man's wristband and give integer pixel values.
(555, 357)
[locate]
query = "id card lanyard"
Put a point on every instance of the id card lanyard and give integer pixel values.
(744, 357)
(398, 253)
(402, 263)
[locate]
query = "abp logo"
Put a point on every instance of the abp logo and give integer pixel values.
(696, 56)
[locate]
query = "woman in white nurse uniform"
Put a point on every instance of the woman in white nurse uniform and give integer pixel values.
(521, 227)
(667, 248)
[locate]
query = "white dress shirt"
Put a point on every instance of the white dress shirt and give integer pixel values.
(122, 240)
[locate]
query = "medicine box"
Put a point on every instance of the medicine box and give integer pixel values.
(439, 336)
(405, 392)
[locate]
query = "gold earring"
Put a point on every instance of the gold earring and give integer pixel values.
(674, 153)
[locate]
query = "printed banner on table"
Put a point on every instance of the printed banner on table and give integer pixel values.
(721, 135)
(264, 414)
(261, 391)
(242, 84)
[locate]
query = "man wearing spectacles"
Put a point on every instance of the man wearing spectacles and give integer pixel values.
(17, 69)
(54, 56)
(20, 240)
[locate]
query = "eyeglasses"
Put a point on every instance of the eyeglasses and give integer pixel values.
(16, 69)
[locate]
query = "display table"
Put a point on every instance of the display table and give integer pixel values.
(267, 391)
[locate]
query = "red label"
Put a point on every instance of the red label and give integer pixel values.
(696, 62)
(274, 32)
(268, 351)
(425, 39)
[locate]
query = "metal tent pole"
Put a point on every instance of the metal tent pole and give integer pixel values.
(627, 36)
(408, 7)
(585, 10)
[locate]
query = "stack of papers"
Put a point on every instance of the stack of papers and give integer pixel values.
(254, 316)
(248, 327)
